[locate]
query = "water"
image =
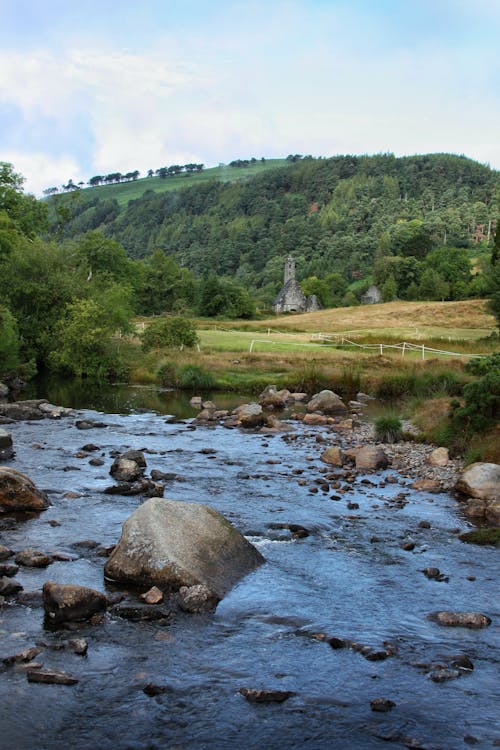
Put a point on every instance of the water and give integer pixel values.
(348, 578)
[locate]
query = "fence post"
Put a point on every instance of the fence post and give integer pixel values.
(404, 346)
(381, 349)
(423, 351)
(251, 346)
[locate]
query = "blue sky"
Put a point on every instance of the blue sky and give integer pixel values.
(113, 85)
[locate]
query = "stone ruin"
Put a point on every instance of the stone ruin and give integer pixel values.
(291, 297)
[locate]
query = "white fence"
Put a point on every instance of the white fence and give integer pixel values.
(337, 341)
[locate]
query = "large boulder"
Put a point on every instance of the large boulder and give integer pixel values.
(480, 484)
(371, 457)
(171, 544)
(70, 602)
(327, 402)
(17, 492)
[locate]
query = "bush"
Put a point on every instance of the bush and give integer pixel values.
(193, 378)
(168, 375)
(388, 429)
(167, 333)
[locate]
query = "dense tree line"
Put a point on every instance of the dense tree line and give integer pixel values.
(362, 218)
(64, 303)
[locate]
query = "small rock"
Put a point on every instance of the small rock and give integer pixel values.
(9, 586)
(70, 602)
(439, 457)
(78, 646)
(23, 656)
(333, 456)
(51, 677)
(266, 696)
(197, 598)
(151, 689)
(426, 485)
(8, 569)
(381, 705)
(33, 558)
(5, 552)
(443, 675)
(153, 596)
(473, 620)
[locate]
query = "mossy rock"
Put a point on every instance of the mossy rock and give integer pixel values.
(483, 536)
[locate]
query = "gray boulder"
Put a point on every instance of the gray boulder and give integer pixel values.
(4, 390)
(172, 544)
(17, 492)
(480, 485)
(327, 402)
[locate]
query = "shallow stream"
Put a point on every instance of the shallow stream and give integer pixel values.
(349, 578)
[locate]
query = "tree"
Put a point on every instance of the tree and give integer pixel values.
(162, 285)
(28, 216)
(9, 342)
(167, 333)
(83, 343)
(389, 289)
(37, 283)
(97, 254)
(432, 286)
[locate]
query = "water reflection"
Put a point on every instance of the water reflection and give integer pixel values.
(122, 398)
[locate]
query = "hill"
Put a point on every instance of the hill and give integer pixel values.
(357, 218)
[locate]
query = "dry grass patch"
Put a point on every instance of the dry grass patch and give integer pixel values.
(468, 316)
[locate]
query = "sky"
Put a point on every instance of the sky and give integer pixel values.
(102, 86)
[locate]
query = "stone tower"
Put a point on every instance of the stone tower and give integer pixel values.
(289, 270)
(291, 297)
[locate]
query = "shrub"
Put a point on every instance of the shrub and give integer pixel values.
(192, 377)
(388, 429)
(168, 375)
(166, 333)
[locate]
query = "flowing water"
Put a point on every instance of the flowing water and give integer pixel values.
(349, 578)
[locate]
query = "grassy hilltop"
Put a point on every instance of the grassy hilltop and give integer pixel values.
(123, 192)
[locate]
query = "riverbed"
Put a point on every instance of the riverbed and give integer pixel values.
(355, 576)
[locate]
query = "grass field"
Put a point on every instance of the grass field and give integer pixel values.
(461, 326)
(126, 191)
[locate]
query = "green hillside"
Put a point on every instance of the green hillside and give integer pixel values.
(414, 222)
(123, 192)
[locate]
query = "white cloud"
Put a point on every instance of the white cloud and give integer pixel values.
(262, 83)
(42, 171)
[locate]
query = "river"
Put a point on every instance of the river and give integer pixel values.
(349, 578)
